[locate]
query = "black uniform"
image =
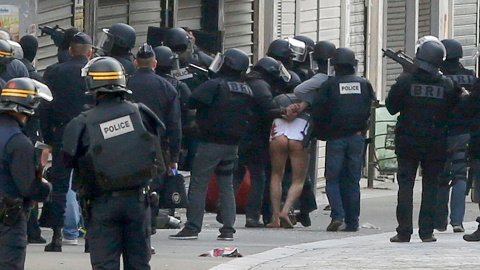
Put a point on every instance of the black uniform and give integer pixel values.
(18, 180)
(127, 62)
(423, 101)
(253, 149)
(114, 179)
(14, 69)
(160, 96)
(69, 89)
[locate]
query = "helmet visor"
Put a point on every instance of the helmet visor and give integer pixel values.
(16, 49)
(284, 74)
(330, 68)
(87, 66)
(217, 63)
(313, 63)
(43, 91)
(299, 50)
(105, 42)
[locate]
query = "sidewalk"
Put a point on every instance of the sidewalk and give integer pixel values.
(368, 252)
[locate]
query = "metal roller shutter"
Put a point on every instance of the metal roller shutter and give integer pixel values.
(357, 33)
(424, 18)
(239, 25)
(190, 14)
(137, 13)
(51, 13)
(309, 18)
(465, 29)
(144, 13)
(395, 39)
(285, 18)
(329, 21)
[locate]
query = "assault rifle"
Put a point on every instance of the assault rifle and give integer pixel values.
(56, 33)
(192, 68)
(401, 58)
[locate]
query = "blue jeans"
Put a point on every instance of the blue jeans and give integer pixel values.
(72, 214)
(455, 169)
(343, 168)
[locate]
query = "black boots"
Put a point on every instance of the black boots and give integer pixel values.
(475, 236)
(56, 244)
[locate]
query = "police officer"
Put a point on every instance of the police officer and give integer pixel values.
(160, 96)
(223, 106)
(69, 89)
(114, 149)
(165, 62)
(280, 50)
(423, 98)
(345, 137)
(304, 68)
(322, 51)
(182, 43)
(455, 171)
(19, 184)
(253, 149)
(29, 45)
(9, 66)
(119, 40)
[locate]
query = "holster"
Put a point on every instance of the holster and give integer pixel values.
(10, 210)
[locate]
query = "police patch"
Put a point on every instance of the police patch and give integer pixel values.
(240, 88)
(116, 127)
(350, 88)
(427, 91)
(181, 74)
(462, 79)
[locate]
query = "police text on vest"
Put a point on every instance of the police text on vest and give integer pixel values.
(116, 127)
(427, 91)
(350, 88)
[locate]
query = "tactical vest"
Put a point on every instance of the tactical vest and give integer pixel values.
(7, 184)
(464, 77)
(230, 116)
(122, 151)
(349, 104)
(424, 113)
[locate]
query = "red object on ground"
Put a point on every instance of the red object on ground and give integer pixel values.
(240, 199)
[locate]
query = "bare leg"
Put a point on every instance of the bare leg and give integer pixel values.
(278, 156)
(299, 160)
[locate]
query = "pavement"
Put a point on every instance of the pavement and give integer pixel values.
(301, 248)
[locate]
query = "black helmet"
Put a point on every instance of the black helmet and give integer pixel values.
(344, 56)
(176, 39)
(5, 49)
(453, 48)
(431, 52)
(104, 74)
(164, 56)
(123, 35)
(23, 95)
(232, 59)
(308, 42)
(273, 68)
(280, 50)
(323, 50)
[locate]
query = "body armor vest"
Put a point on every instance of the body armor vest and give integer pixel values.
(7, 184)
(122, 151)
(349, 107)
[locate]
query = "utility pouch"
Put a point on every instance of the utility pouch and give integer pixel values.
(11, 209)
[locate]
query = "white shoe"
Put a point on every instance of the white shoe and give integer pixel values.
(70, 242)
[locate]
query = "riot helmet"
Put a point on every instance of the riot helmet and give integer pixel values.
(104, 74)
(23, 95)
(454, 49)
(232, 60)
(280, 50)
(272, 68)
(119, 35)
(430, 54)
(299, 49)
(176, 39)
(344, 56)
(165, 57)
(323, 50)
(5, 49)
(309, 43)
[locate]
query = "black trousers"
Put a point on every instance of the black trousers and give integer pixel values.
(13, 244)
(407, 170)
(120, 226)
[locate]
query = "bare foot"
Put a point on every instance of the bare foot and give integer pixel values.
(285, 221)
